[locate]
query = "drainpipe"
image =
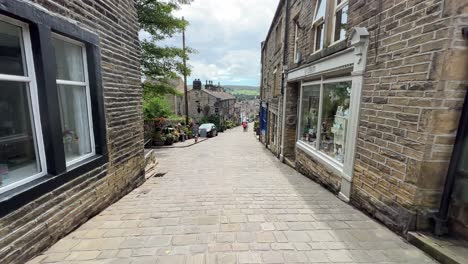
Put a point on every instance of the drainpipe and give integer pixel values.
(441, 218)
(284, 82)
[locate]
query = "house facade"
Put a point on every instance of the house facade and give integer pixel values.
(71, 124)
(273, 58)
(210, 100)
(176, 102)
(372, 97)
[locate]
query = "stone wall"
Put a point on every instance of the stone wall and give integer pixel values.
(31, 229)
(306, 165)
(413, 91)
(411, 101)
(205, 102)
(290, 132)
(457, 77)
(272, 69)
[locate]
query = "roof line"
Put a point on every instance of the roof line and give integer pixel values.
(278, 9)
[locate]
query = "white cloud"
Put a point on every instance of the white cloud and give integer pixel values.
(227, 35)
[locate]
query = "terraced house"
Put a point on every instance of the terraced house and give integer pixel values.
(71, 127)
(368, 98)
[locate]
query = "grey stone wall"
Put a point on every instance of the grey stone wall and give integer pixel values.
(272, 67)
(411, 102)
(36, 226)
(413, 91)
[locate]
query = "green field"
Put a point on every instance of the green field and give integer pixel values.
(245, 92)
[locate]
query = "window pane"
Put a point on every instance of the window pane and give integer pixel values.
(11, 50)
(335, 112)
(18, 150)
(319, 37)
(75, 121)
(309, 114)
(69, 60)
(340, 23)
(320, 12)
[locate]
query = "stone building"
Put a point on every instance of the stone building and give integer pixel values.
(71, 124)
(271, 91)
(176, 102)
(371, 102)
(211, 100)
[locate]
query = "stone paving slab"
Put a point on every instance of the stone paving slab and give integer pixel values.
(230, 200)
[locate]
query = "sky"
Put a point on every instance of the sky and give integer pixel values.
(227, 36)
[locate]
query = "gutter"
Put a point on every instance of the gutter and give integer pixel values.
(284, 83)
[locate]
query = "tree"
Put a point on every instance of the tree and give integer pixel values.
(160, 64)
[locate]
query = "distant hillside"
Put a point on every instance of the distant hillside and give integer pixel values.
(239, 89)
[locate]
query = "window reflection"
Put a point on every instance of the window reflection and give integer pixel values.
(11, 50)
(310, 108)
(335, 113)
(18, 157)
(341, 20)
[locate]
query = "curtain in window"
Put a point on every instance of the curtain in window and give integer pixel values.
(73, 99)
(75, 124)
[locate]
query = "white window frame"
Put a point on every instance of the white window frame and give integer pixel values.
(30, 79)
(296, 40)
(317, 22)
(335, 10)
(332, 164)
(88, 96)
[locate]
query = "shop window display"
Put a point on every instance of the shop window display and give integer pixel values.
(335, 112)
(324, 117)
(310, 108)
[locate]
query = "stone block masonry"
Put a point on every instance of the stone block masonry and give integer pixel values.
(36, 226)
(412, 95)
(411, 102)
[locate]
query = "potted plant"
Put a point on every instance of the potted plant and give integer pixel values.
(257, 128)
(169, 140)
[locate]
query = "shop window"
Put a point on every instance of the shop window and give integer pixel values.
(74, 99)
(334, 119)
(309, 118)
(22, 156)
(325, 110)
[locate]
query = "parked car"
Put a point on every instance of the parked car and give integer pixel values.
(208, 130)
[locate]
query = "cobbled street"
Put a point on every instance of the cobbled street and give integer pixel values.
(229, 200)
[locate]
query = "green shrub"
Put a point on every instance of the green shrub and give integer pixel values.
(155, 107)
(230, 124)
(211, 119)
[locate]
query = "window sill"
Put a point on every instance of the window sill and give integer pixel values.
(327, 51)
(328, 162)
(24, 194)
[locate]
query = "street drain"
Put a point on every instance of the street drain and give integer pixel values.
(159, 174)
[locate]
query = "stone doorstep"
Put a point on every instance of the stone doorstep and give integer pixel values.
(446, 250)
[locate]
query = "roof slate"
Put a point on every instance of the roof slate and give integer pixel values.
(221, 95)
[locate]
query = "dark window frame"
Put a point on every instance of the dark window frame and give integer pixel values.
(42, 25)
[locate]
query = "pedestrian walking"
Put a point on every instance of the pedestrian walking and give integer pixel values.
(245, 125)
(195, 131)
